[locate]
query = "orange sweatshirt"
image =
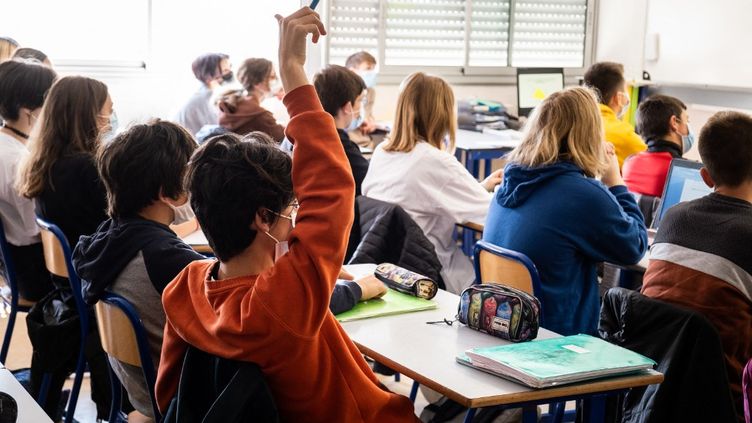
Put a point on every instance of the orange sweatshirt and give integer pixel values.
(280, 319)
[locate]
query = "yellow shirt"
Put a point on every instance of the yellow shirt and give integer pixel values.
(621, 135)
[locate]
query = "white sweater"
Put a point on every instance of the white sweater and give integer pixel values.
(437, 192)
(17, 212)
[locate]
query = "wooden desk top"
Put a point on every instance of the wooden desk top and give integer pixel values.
(426, 353)
(197, 241)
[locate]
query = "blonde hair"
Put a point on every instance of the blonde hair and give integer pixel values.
(566, 126)
(425, 112)
(8, 46)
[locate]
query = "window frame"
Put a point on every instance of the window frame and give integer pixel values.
(470, 75)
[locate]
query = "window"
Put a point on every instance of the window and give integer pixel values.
(461, 35)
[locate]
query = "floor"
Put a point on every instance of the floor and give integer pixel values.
(19, 356)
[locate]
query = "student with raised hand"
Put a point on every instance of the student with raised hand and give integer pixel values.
(135, 254)
(23, 87)
(211, 70)
(552, 208)
(342, 93)
(664, 124)
(60, 172)
(700, 258)
(607, 79)
(246, 306)
(415, 169)
(242, 113)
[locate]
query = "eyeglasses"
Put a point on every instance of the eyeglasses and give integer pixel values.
(293, 214)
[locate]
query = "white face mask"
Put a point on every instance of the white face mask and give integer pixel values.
(274, 87)
(183, 213)
(280, 248)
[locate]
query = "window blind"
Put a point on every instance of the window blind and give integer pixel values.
(353, 27)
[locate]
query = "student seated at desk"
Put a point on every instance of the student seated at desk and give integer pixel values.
(241, 112)
(607, 79)
(415, 169)
(135, 254)
(246, 306)
(663, 122)
(341, 93)
(211, 70)
(551, 208)
(23, 86)
(364, 65)
(701, 257)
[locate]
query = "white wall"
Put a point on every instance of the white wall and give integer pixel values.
(620, 35)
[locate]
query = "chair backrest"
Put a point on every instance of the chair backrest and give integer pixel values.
(648, 205)
(494, 264)
(10, 270)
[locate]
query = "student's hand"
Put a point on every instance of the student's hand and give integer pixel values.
(493, 179)
(371, 287)
(368, 126)
(612, 176)
(345, 275)
(293, 31)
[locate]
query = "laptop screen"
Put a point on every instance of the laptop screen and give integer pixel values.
(683, 183)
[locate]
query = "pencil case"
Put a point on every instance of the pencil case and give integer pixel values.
(501, 311)
(406, 281)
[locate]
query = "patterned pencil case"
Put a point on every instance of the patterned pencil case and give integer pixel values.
(406, 281)
(501, 311)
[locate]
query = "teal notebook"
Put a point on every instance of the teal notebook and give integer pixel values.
(556, 361)
(392, 302)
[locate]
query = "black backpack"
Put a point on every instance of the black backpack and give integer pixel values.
(214, 389)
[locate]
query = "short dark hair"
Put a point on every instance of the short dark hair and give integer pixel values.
(254, 71)
(30, 53)
(337, 86)
(654, 114)
(206, 66)
(356, 59)
(23, 84)
(230, 179)
(142, 163)
(606, 78)
(725, 146)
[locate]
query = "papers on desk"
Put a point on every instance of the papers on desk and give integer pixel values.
(556, 361)
(392, 302)
(196, 238)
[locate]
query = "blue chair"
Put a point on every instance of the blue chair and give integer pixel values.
(15, 302)
(494, 264)
(124, 338)
(57, 258)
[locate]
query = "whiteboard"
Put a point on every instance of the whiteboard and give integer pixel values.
(700, 42)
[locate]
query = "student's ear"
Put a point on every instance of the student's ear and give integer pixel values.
(262, 221)
(673, 123)
(706, 178)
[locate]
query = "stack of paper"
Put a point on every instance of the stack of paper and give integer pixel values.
(556, 361)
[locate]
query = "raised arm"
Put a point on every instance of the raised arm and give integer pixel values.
(299, 286)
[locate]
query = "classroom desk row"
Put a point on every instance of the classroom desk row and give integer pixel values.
(472, 148)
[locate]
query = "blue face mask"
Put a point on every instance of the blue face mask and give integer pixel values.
(355, 123)
(369, 77)
(688, 141)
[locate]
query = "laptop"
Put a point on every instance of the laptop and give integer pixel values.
(683, 183)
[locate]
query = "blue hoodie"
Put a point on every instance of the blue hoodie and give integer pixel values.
(566, 223)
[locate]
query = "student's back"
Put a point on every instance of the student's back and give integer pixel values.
(700, 257)
(135, 254)
(60, 171)
(551, 209)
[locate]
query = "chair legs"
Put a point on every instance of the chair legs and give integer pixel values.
(77, 380)
(117, 392)
(8, 333)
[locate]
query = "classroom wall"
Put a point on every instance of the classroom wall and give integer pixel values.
(620, 34)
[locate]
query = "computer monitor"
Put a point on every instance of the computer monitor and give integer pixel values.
(683, 183)
(535, 84)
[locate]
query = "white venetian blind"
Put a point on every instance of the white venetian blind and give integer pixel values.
(425, 32)
(353, 27)
(489, 33)
(548, 33)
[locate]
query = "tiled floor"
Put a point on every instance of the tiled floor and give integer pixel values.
(19, 356)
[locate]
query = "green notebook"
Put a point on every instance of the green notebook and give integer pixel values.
(556, 361)
(393, 302)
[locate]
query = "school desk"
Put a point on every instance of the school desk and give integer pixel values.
(197, 241)
(28, 409)
(426, 353)
(475, 147)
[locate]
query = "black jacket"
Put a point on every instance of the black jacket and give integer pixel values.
(102, 256)
(387, 234)
(689, 354)
(358, 163)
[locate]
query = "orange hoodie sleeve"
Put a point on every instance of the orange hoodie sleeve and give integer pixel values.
(296, 290)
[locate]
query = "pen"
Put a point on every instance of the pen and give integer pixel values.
(313, 5)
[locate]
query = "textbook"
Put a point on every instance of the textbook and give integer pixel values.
(393, 302)
(556, 361)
